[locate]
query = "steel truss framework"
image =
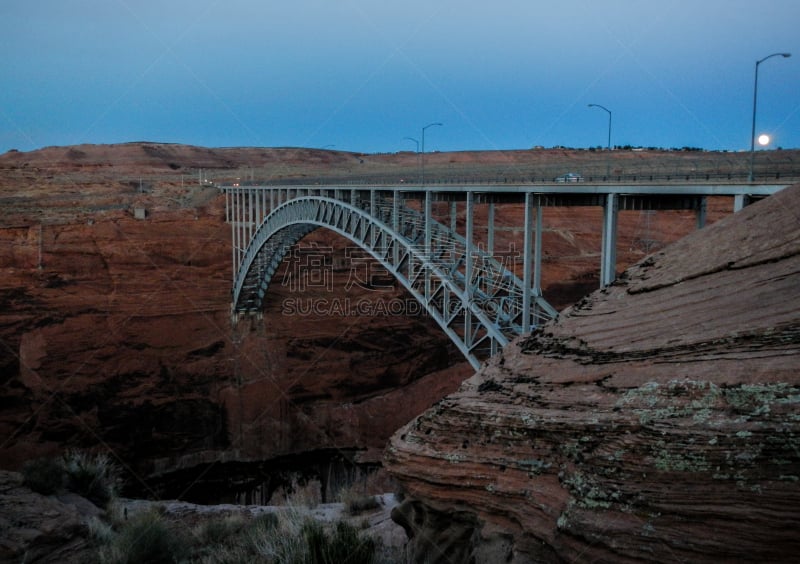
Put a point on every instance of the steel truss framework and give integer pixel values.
(476, 300)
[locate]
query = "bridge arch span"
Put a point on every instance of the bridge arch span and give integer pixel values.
(478, 307)
(480, 303)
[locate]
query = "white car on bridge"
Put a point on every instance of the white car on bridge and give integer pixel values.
(569, 177)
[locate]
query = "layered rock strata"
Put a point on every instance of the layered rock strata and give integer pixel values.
(656, 420)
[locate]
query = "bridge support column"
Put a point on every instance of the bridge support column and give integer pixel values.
(428, 240)
(490, 230)
(229, 219)
(250, 214)
(468, 266)
(531, 258)
(235, 226)
(740, 201)
(373, 211)
(396, 226)
(243, 238)
(608, 253)
(259, 194)
(701, 212)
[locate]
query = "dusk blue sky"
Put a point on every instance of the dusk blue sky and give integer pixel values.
(361, 75)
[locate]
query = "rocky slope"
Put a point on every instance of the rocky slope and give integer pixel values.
(656, 420)
(37, 528)
(63, 527)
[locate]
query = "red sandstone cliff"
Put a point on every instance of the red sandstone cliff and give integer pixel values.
(656, 420)
(115, 332)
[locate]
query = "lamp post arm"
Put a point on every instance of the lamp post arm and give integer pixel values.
(422, 154)
(414, 140)
(755, 105)
(609, 121)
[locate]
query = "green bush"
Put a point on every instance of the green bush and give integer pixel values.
(43, 475)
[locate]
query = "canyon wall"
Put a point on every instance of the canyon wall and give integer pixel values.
(115, 332)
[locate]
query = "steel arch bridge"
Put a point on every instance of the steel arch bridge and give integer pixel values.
(478, 301)
(475, 299)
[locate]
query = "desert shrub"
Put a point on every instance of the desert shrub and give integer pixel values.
(287, 537)
(356, 501)
(220, 530)
(279, 538)
(43, 475)
(342, 545)
(144, 538)
(101, 531)
(226, 554)
(298, 494)
(263, 523)
(95, 477)
(218, 541)
(355, 504)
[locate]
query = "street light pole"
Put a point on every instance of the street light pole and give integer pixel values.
(609, 121)
(608, 156)
(417, 143)
(755, 98)
(422, 154)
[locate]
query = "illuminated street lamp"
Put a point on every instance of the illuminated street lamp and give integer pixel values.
(755, 98)
(422, 154)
